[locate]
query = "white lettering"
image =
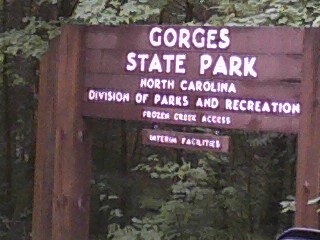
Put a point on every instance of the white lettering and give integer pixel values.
(170, 37)
(235, 65)
(248, 69)
(132, 64)
(210, 102)
(155, 64)
(258, 106)
(180, 63)
(185, 117)
(141, 98)
(142, 58)
(108, 96)
(205, 63)
(184, 37)
(169, 58)
(171, 100)
(198, 39)
(155, 40)
(211, 37)
(220, 67)
(157, 115)
(225, 40)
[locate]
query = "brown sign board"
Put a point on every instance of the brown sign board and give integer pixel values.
(192, 141)
(264, 79)
(234, 78)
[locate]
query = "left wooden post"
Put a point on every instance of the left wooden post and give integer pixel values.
(43, 178)
(63, 161)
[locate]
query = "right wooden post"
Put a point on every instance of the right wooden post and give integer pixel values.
(308, 165)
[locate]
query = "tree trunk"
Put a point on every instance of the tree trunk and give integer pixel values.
(7, 122)
(124, 148)
(7, 136)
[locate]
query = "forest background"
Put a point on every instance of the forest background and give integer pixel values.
(141, 192)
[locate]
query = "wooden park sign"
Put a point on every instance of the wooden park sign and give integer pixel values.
(214, 77)
(255, 79)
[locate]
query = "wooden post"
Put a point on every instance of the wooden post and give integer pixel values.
(43, 179)
(72, 165)
(308, 165)
(63, 162)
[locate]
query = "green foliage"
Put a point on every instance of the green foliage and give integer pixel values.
(40, 2)
(31, 41)
(289, 205)
(113, 12)
(224, 196)
(17, 228)
(141, 231)
(197, 198)
(266, 12)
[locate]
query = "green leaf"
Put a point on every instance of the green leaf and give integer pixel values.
(112, 197)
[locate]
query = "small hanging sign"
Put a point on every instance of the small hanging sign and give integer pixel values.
(192, 141)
